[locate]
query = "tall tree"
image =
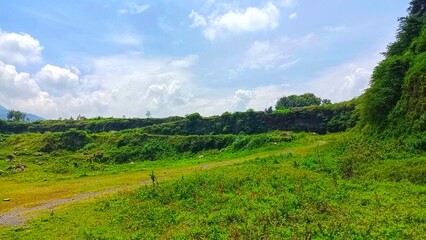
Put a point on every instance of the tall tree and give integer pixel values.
(417, 8)
(15, 115)
(307, 99)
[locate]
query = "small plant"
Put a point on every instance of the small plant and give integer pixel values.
(153, 177)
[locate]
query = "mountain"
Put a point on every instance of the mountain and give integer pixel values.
(4, 111)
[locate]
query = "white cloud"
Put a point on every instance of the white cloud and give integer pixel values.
(133, 8)
(335, 29)
(185, 62)
(134, 83)
(19, 91)
(57, 81)
(258, 98)
(265, 54)
(19, 48)
(241, 98)
(249, 20)
(128, 84)
(287, 3)
(345, 81)
(292, 16)
(197, 19)
(125, 39)
(273, 54)
(16, 85)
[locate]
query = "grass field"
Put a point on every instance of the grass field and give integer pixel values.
(329, 186)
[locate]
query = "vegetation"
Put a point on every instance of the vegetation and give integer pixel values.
(307, 99)
(348, 188)
(395, 103)
(15, 115)
(311, 118)
(251, 175)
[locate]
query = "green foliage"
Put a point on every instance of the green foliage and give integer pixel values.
(417, 8)
(385, 89)
(409, 28)
(277, 197)
(312, 118)
(17, 116)
(395, 103)
(193, 117)
(151, 150)
(307, 99)
(71, 140)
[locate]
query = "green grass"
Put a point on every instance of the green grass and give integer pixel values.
(61, 164)
(303, 193)
(38, 184)
(264, 198)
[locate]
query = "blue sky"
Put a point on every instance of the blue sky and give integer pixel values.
(125, 57)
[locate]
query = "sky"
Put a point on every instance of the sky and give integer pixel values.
(115, 58)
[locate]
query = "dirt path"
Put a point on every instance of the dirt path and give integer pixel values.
(127, 181)
(19, 216)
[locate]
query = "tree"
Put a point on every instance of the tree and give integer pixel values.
(325, 101)
(15, 115)
(193, 117)
(417, 8)
(307, 99)
(269, 110)
(148, 114)
(385, 89)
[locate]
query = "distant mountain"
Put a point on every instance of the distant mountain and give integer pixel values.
(4, 111)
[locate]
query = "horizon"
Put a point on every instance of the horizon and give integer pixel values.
(115, 58)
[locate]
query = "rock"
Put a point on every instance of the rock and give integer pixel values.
(98, 155)
(19, 167)
(10, 157)
(6, 200)
(131, 163)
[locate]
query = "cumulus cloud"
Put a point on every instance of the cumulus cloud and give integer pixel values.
(14, 84)
(249, 20)
(134, 83)
(19, 48)
(19, 91)
(261, 97)
(241, 98)
(345, 81)
(57, 81)
(351, 84)
(132, 7)
(292, 16)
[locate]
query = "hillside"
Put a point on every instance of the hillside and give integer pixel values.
(395, 103)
